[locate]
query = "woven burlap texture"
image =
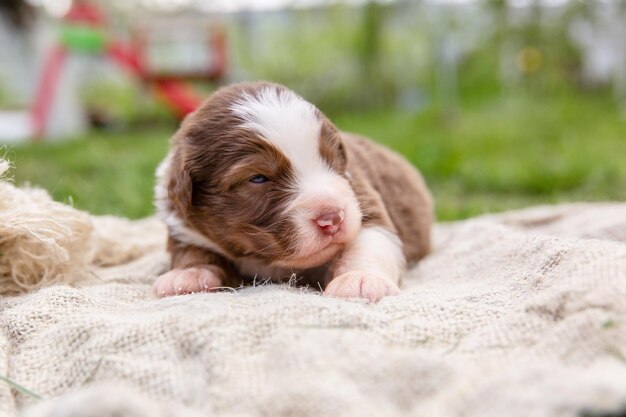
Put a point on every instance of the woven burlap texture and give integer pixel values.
(519, 314)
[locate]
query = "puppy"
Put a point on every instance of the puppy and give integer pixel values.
(260, 185)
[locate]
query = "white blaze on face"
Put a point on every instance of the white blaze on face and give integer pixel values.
(293, 126)
(288, 122)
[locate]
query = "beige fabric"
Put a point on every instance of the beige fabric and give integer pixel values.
(41, 241)
(520, 314)
(44, 242)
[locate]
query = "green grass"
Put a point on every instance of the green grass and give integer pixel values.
(490, 156)
(104, 173)
(20, 388)
(510, 153)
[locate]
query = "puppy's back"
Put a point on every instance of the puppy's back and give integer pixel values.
(379, 173)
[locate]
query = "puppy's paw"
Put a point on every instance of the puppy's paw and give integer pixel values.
(187, 281)
(360, 284)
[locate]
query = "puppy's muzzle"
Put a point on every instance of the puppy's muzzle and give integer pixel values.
(330, 221)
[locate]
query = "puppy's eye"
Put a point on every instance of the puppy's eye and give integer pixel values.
(259, 179)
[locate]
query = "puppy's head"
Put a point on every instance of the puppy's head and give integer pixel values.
(259, 172)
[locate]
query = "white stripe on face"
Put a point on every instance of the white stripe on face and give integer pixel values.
(288, 122)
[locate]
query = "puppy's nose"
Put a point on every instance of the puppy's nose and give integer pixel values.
(330, 221)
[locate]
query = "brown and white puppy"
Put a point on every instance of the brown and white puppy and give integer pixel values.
(259, 184)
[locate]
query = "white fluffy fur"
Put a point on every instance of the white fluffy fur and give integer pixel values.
(375, 250)
(288, 122)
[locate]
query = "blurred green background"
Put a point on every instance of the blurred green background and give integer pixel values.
(501, 104)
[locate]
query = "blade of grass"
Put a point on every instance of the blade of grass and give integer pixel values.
(20, 388)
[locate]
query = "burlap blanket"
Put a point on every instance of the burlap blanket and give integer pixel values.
(520, 314)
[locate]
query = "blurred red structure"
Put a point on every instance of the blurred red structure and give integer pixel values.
(84, 31)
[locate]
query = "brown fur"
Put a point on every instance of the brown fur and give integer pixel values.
(208, 188)
(392, 193)
(204, 190)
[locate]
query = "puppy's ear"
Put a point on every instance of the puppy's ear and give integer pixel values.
(341, 150)
(181, 186)
(332, 147)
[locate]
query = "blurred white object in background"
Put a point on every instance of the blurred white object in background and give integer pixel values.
(18, 62)
(15, 126)
(68, 118)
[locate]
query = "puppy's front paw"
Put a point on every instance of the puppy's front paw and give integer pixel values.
(360, 284)
(187, 281)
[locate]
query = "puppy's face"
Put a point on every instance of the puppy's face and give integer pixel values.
(260, 173)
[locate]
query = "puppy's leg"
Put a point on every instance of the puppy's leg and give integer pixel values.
(193, 270)
(370, 267)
